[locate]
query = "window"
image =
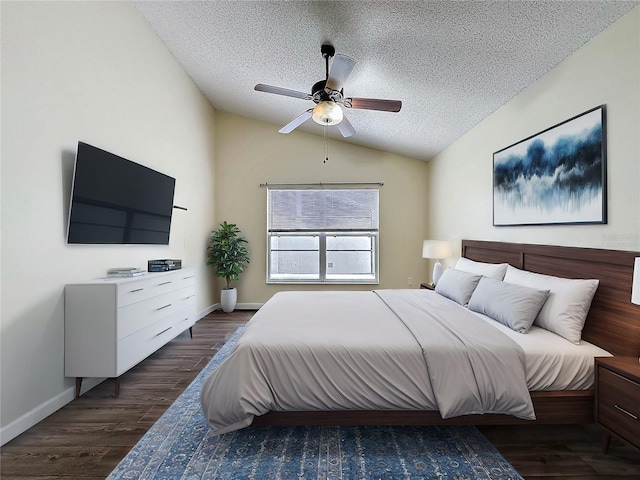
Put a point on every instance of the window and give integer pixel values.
(322, 235)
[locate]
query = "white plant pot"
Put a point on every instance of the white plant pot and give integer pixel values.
(228, 299)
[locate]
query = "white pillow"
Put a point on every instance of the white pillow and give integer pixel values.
(457, 285)
(491, 270)
(512, 305)
(566, 309)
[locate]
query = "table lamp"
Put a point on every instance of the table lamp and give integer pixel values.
(438, 250)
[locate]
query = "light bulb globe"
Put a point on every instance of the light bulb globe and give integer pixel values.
(327, 113)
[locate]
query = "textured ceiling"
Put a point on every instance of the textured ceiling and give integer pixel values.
(451, 63)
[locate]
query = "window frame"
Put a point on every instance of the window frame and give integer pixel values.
(322, 276)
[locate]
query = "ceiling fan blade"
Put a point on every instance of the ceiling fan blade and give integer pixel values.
(340, 70)
(296, 122)
(345, 127)
(261, 87)
(374, 104)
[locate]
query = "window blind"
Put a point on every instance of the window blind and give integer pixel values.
(322, 209)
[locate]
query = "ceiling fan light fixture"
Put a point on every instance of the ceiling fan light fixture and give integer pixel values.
(327, 113)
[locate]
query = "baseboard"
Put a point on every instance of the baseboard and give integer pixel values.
(239, 306)
(208, 310)
(249, 306)
(42, 411)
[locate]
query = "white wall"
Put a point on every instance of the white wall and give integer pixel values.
(604, 71)
(90, 71)
(249, 153)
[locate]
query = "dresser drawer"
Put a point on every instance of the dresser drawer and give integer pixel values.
(185, 318)
(619, 405)
(152, 285)
(137, 316)
(143, 343)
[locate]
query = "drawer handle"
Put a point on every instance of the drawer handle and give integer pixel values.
(136, 290)
(185, 319)
(166, 306)
(165, 283)
(187, 278)
(190, 296)
(627, 412)
(165, 330)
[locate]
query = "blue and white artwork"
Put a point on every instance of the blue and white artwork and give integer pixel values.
(556, 176)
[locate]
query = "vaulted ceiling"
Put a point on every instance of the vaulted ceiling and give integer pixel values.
(451, 63)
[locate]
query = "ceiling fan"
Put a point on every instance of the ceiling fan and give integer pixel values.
(328, 95)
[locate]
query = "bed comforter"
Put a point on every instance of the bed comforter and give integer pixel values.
(382, 350)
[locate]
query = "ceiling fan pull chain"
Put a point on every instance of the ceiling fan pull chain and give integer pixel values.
(326, 146)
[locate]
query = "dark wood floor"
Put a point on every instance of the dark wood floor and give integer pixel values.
(89, 436)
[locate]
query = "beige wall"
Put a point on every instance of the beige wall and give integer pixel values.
(249, 153)
(604, 71)
(90, 71)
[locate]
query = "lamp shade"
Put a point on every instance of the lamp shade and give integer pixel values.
(436, 249)
(327, 113)
(635, 288)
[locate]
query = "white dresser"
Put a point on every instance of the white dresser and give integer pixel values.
(110, 325)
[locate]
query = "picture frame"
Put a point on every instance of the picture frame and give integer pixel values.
(555, 177)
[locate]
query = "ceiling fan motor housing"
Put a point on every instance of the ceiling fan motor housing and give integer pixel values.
(319, 94)
(318, 91)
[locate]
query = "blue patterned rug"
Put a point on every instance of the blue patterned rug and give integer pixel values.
(179, 446)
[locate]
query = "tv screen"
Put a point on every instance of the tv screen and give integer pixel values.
(115, 200)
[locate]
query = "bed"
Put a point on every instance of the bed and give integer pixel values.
(344, 383)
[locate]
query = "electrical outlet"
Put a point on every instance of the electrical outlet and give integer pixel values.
(409, 281)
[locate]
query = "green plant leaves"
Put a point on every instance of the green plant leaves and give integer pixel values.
(228, 253)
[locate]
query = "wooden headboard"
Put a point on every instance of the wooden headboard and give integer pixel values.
(613, 322)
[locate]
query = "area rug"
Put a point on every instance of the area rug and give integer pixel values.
(179, 446)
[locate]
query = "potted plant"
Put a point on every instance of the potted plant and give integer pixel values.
(228, 255)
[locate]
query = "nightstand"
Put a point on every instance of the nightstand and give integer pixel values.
(617, 399)
(428, 286)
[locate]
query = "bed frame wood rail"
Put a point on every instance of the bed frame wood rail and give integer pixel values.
(613, 323)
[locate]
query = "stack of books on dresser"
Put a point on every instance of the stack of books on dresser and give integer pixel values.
(124, 272)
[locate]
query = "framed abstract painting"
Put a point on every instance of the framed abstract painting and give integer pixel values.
(557, 176)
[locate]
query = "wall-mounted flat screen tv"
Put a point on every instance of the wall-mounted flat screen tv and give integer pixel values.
(117, 201)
